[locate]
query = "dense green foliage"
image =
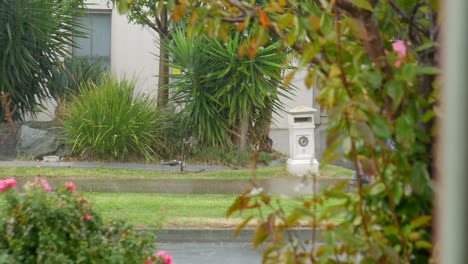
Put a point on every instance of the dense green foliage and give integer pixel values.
(34, 36)
(44, 226)
(110, 120)
(218, 89)
(66, 78)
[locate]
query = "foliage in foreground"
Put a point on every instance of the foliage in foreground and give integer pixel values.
(34, 36)
(110, 120)
(45, 226)
(375, 63)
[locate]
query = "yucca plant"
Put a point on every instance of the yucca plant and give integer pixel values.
(222, 92)
(34, 36)
(110, 120)
(65, 79)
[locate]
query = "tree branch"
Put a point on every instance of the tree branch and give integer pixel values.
(147, 21)
(405, 18)
(244, 9)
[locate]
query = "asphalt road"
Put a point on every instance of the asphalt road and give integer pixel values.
(212, 253)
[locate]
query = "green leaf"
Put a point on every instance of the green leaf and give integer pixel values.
(368, 261)
(123, 6)
(405, 130)
(285, 20)
(242, 226)
(427, 70)
(363, 4)
(377, 189)
(260, 235)
(424, 220)
(428, 116)
(394, 89)
(423, 244)
(374, 78)
(397, 192)
(425, 46)
(408, 72)
(379, 126)
(419, 177)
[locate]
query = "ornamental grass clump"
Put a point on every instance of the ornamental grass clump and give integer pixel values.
(110, 120)
(59, 226)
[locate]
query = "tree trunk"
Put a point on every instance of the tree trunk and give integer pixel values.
(243, 133)
(6, 101)
(163, 80)
(265, 143)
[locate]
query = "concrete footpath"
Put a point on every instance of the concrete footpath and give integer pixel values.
(116, 165)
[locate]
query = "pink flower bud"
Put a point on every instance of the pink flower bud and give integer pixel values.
(165, 256)
(88, 217)
(82, 199)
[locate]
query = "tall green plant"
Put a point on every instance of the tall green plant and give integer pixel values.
(220, 90)
(110, 120)
(34, 36)
(65, 79)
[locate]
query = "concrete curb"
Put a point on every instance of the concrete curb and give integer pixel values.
(211, 235)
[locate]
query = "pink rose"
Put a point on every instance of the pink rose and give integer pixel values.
(88, 216)
(46, 186)
(70, 186)
(10, 182)
(7, 184)
(165, 256)
(86, 207)
(41, 183)
(400, 47)
(148, 261)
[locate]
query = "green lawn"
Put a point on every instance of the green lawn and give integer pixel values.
(150, 210)
(268, 172)
(153, 210)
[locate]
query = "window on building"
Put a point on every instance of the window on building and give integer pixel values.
(97, 46)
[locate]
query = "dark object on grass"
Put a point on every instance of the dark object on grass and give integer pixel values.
(171, 162)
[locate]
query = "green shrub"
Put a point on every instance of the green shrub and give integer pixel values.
(45, 226)
(65, 79)
(109, 120)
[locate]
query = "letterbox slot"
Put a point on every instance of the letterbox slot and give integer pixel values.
(302, 119)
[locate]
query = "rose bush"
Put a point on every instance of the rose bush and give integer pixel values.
(59, 226)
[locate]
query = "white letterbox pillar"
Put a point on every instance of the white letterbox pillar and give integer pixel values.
(301, 141)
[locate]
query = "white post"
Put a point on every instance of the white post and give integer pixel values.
(301, 141)
(452, 204)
